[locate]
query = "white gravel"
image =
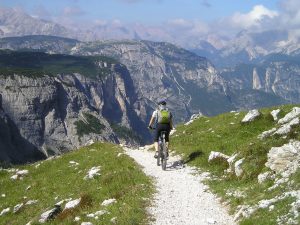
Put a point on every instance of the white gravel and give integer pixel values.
(181, 198)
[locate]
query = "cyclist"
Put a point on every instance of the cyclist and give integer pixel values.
(163, 119)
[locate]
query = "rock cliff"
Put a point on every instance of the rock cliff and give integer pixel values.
(53, 114)
(161, 70)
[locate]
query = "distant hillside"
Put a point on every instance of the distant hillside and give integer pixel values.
(42, 43)
(40, 64)
(254, 165)
(276, 74)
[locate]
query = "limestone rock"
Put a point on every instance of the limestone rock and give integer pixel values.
(86, 223)
(238, 167)
(284, 160)
(275, 113)
(217, 155)
(18, 207)
(50, 214)
(4, 211)
(72, 204)
(286, 128)
(291, 115)
(251, 116)
(267, 133)
(264, 176)
(108, 202)
(93, 172)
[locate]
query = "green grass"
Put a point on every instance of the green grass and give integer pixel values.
(91, 125)
(35, 64)
(225, 133)
(120, 178)
(124, 132)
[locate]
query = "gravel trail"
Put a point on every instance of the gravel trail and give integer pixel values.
(181, 198)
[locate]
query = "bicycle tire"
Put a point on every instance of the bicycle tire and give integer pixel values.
(164, 155)
(158, 156)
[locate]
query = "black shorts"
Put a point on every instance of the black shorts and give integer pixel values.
(159, 129)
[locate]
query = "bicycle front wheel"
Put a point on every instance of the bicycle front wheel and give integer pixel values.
(158, 157)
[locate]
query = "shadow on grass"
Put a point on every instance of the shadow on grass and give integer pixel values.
(193, 156)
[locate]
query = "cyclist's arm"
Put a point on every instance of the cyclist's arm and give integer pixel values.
(151, 121)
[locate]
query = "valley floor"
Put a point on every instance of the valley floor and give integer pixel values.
(181, 197)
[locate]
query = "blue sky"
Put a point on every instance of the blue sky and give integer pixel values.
(138, 11)
(161, 19)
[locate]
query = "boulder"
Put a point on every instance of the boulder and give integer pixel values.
(291, 115)
(18, 207)
(72, 204)
(238, 167)
(275, 113)
(267, 133)
(230, 161)
(217, 155)
(50, 214)
(284, 160)
(251, 116)
(4, 211)
(286, 128)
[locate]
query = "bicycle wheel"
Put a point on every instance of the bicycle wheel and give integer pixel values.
(158, 155)
(164, 156)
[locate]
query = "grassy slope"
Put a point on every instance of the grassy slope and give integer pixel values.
(226, 134)
(39, 63)
(120, 178)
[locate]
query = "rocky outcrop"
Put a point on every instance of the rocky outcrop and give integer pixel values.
(251, 116)
(285, 160)
(47, 115)
(13, 146)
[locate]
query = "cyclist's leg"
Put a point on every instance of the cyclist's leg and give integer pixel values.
(156, 137)
(167, 137)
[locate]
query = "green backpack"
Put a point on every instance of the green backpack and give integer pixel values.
(164, 116)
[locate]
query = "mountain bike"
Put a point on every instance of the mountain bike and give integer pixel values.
(162, 151)
(162, 155)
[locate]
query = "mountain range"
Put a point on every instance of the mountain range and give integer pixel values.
(71, 92)
(245, 47)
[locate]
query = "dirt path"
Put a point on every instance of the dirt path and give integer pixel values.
(181, 198)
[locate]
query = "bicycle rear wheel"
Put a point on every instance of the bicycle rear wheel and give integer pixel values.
(164, 156)
(158, 156)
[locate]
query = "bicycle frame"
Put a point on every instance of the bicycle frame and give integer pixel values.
(162, 151)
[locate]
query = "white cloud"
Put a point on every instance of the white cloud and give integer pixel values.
(254, 18)
(179, 22)
(72, 11)
(291, 7)
(100, 22)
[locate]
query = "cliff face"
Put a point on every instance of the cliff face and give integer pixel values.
(161, 70)
(11, 142)
(52, 115)
(279, 78)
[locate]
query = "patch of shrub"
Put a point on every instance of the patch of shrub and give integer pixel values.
(91, 125)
